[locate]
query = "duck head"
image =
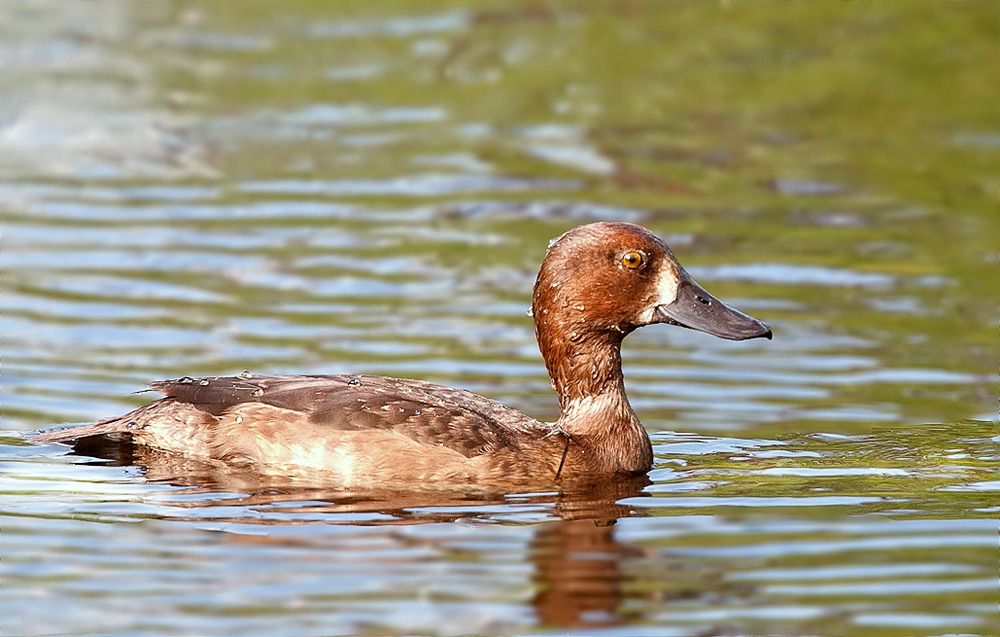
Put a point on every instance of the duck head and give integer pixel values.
(610, 278)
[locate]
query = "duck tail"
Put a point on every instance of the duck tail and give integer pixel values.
(109, 426)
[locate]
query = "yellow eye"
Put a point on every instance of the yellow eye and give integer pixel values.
(633, 259)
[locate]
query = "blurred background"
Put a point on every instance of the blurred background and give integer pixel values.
(193, 188)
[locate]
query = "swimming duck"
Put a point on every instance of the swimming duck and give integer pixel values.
(597, 283)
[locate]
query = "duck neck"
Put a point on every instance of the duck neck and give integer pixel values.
(595, 415)
(585, 368)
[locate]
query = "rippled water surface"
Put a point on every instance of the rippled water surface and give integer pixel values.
(193, 189)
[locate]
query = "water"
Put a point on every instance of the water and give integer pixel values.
(199, 190)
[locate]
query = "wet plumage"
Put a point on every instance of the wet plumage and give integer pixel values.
(597, 283)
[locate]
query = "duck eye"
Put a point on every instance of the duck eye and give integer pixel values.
(633, 259)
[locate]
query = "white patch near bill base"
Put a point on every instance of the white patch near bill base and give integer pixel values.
(665, 286)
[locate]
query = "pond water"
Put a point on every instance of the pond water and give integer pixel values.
(199, 189)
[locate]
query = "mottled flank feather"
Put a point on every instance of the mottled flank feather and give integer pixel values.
(355, 428)
(424, 412)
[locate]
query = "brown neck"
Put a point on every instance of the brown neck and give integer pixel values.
(585, 367)
(582, 365)
(595, 413)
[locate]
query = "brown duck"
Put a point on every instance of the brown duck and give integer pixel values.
(597, 283)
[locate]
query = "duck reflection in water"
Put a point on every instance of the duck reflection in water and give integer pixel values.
(576, 560)
(398, 447)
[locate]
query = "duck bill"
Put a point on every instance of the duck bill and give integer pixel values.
(696, 309)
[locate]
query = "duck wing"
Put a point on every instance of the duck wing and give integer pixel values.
(424, 412)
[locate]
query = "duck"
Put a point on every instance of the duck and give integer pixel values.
(597, 283)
